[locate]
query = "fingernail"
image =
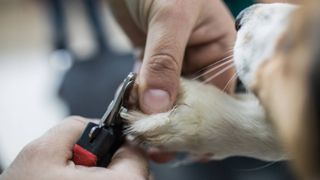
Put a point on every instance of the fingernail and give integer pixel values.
(156, 101)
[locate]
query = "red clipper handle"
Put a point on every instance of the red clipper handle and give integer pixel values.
(97, 151)
(83, 157)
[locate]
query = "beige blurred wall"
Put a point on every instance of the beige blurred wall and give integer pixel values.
(28, 81)
(28, 102)
(23, 25)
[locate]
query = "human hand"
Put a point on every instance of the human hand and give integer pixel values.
(49, 157)
(177, 36)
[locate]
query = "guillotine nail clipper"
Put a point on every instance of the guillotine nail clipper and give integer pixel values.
(99, 142)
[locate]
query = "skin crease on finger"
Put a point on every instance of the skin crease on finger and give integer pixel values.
(211, 36)
(209, 40)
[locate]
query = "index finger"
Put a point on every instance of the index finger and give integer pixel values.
(58, 142)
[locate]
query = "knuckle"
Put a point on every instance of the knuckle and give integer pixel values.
(164, 63)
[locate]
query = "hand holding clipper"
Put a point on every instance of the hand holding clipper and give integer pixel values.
(99, 142)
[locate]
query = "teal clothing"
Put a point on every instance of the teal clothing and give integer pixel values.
(236, 6)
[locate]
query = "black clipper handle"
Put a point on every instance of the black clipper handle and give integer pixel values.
(97, 150)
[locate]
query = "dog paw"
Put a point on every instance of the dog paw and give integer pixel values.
(205, 121)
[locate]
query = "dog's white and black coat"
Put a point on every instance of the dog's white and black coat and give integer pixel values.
(205, 120)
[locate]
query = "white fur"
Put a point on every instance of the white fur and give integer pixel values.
(261, 27)
(208, 121)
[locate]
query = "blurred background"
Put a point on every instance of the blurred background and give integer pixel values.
(60, 58)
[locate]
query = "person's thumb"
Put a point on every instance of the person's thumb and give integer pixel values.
(167, 37)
